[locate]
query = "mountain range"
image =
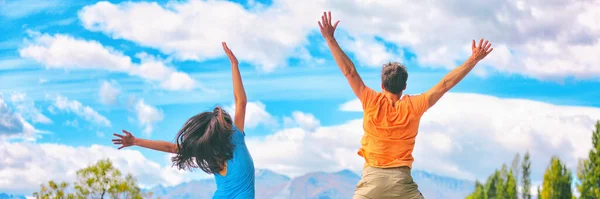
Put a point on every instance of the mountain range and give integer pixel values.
(7, 196)
(317, 185)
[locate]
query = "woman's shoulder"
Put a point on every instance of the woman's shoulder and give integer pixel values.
(236, 130)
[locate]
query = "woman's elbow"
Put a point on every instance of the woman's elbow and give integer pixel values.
(241, 103)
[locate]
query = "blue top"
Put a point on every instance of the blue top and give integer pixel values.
(238, 183)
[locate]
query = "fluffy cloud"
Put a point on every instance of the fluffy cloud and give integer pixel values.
(27, 109)
(463, 136)
(57, 51)
(187, 30)
(306, 121)
(24, 166)
(12, 125)
(147, 115)
(86, 112)
(256, 114)
(108, 93)
(530, 38)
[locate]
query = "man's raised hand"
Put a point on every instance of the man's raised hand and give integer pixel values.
(124, 140)
(481, 50)
(327, 29)
(230, 54)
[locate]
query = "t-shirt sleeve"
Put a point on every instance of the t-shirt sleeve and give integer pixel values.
(420, 103)
(237, 135)
(367, 96)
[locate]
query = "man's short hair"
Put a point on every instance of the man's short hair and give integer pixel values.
(393, 77)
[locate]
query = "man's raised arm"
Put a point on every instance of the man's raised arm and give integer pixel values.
(453, 77)
(342, 60)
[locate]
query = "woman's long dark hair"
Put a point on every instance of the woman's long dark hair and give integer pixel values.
(205, 142)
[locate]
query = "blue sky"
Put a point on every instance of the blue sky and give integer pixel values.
(287, 68)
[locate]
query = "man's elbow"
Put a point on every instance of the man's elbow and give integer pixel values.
(350, 73)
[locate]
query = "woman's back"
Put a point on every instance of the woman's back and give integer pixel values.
(238, 182)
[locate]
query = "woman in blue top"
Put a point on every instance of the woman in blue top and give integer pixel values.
(211, 142)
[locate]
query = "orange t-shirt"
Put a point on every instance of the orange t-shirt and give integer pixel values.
(390, 128)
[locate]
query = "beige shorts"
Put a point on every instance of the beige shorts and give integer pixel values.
(384, 183)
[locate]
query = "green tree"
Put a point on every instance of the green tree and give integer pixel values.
(539, 193)
(100, 180)
(103, 180)
(492, 187)
(53, 190)
(501, 185)
(588, 171)
(511, 187)
(515, 167)
(479, 192)
(526, 178)
(557, 181)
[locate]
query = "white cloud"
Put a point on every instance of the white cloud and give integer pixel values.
(12, 125)
(108, 93)
(27, 109)
(63, 51)
(306, 121)
(352, 106)
(464, 136)
(526, 39)
(256, 114)
(369, 52)
(187, 30)
(24, 166)
(86, 112)
(147, 115)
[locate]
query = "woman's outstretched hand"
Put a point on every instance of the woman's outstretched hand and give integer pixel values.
(230, 54)
(124, 140)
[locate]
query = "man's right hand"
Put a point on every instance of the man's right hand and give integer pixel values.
(124, 140)
(483, 49)
(327, 29)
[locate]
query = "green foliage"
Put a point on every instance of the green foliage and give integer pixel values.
(557, 181)
(52, 190)
(101, 180)
(588, 171)
(500, 185)
(511, 187)
(479, 191)
(515, 167)
(526, 178)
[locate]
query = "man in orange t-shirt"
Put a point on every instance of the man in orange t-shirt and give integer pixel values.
(391, 122)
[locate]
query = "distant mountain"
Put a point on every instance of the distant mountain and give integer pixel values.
(435, 186)
(6, 196)
(318, 185)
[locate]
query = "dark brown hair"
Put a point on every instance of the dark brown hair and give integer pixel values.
(205, 142)
(393, 77)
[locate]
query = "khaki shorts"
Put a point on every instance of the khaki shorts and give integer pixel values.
(383, 183)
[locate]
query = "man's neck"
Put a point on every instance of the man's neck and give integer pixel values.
(393, 97)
